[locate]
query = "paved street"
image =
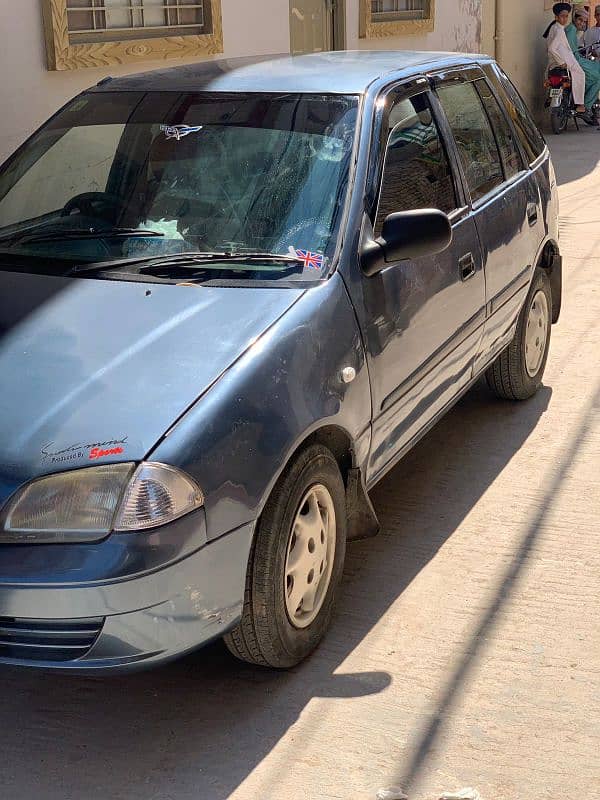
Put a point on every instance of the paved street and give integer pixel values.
(466, 651)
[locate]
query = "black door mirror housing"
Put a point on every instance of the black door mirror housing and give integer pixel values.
(407, 235)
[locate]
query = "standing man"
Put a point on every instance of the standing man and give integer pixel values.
(561, 55)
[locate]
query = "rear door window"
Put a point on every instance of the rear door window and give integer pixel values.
(527, 131)
(509, 151)
(474, 137)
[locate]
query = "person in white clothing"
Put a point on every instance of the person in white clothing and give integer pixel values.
(561, 55)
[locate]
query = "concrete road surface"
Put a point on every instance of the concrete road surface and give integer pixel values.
(466, 651)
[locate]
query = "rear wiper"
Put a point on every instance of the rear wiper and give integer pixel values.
(186, 262)
(75, 233)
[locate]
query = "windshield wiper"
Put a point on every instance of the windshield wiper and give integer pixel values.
(187, 262)
(190, 261)
(75, 233)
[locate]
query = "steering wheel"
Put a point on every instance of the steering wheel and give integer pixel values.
(93, 204)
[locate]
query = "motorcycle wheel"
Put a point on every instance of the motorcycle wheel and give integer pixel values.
(558, 119)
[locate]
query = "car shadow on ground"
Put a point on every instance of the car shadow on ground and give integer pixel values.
(200, 726)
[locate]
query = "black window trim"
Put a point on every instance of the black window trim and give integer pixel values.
(396, 92)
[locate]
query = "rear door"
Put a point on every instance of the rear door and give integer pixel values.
(504, 196)
(534, 149)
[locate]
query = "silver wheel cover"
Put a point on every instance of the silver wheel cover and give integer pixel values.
(310, 556)
(536, 332)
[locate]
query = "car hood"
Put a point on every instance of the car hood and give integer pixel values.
(95, 371)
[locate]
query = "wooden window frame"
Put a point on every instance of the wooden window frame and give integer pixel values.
(63, 55)
(370, 29)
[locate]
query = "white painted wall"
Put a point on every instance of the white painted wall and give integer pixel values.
(29, 93)
(457, 28)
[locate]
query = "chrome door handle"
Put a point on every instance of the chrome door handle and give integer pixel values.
(466, 267)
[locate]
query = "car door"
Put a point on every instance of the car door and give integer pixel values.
(422, 320)
(504, 196)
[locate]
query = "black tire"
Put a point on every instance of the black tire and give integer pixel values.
(558, 119)
(265, 634)
(508, 377)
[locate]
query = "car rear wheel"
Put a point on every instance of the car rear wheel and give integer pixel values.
(518, 371)
(295, 565)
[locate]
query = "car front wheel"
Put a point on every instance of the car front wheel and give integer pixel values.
(295, 565)
(518, 371)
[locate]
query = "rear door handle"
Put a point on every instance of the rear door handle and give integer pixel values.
(532, 214)
(466, 267)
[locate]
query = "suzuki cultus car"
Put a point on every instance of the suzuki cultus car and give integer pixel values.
(232, 296)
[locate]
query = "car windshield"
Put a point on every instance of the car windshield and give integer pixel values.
(119, 176)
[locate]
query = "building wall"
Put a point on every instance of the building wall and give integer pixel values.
(29, 93)
(520, 48)
(457, 28)
(488, 27)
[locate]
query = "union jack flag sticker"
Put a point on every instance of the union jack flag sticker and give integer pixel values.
(310, 260)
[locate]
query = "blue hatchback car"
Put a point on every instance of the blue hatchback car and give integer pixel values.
(232, 296)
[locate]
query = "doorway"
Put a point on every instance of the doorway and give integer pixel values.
(316, 26)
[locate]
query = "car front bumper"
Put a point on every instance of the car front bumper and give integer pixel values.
(135, 622)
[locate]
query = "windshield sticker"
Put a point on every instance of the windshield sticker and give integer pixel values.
(90, 450)
(179, 131)
(309, 259)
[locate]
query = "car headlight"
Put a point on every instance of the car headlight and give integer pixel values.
(87, 504)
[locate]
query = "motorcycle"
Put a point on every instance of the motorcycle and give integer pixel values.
(559, 99)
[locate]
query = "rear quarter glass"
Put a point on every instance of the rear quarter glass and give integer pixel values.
(528, 132)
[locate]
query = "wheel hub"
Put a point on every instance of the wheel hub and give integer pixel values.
(310, 556)
(536, 332)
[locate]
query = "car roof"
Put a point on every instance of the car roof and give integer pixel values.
(343, 72)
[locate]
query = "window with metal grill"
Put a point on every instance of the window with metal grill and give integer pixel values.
(98, 33)
(106, 20)
(400, 10)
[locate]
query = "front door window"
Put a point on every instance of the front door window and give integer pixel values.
(416, 172)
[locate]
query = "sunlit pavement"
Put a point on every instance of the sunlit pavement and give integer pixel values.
(466, 651)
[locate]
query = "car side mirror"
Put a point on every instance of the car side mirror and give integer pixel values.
(407, 235)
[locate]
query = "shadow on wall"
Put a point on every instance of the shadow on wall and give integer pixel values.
(199, 727)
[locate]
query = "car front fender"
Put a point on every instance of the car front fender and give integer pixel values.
(237, 439)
